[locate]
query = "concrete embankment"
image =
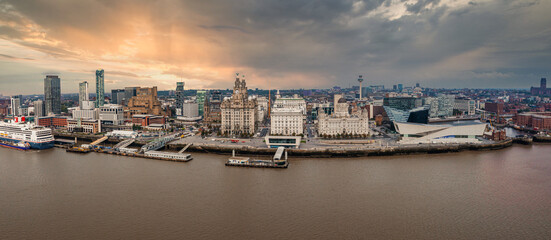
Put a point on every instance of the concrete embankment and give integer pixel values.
(349, 152)
(542, 138)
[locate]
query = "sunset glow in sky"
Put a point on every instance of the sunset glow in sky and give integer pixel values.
(276, 44)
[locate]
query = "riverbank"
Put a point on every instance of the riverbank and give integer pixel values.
(336, 151)
(328, 150)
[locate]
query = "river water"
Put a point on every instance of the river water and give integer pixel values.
(51, 194)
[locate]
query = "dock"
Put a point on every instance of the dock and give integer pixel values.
(276, 162)
(147, 151)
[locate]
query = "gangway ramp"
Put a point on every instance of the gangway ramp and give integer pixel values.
(124, 143)
(99, 141)
(185, 148)
(158, 143)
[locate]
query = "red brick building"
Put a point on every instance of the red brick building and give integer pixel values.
(539, 120)
(52, 121)
(494, 107)
(146, 119)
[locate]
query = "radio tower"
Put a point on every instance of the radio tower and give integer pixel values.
(360, 80)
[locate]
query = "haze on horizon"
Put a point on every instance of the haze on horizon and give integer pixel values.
(276, 44)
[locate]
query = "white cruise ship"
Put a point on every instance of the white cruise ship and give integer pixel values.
(37, 137)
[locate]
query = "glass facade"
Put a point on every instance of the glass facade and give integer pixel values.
(100, 88)
(201, 94)
(52, 95)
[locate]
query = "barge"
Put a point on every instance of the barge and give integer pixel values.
(177, 157)
(78, 150)
(276, 162)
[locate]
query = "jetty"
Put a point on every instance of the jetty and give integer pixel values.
(275, 162)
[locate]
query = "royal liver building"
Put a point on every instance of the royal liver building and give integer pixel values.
(239, 112)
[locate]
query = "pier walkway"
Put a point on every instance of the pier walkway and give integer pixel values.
(158, 143)
(99, 141)
(124, 143)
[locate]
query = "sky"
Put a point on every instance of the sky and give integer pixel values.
(276, 44)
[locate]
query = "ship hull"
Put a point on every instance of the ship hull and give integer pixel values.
(13, 147)
(34, 145)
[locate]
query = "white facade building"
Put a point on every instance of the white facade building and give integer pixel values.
(86, 114)
(38, 108)
(415, 133)
(468, 106)
(15, 104)
(341, 122)
(287, 121)
(294, 102)
(111, 114)
(83, 93)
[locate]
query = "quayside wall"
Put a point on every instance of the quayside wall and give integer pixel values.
(348, 152)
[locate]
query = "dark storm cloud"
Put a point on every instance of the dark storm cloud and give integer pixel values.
(438, 41)
(420, 5)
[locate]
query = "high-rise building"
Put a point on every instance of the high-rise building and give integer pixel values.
(200, 98)
(52, 95)
(129, 92)
(117, 96)
(441, 106)
(180, 97)
(15, 105)
(400, 87)
(38, 108)
(211, 112)
(239, 112)
(83, 93)
(100, 88)
(403, 103)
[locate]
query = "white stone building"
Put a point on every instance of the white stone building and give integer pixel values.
(341, 122)
(294, 102)
(239, 112)
(287, 121)
(111, 114)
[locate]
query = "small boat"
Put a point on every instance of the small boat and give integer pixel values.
(15, 145)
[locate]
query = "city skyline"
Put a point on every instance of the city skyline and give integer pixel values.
(441, 44)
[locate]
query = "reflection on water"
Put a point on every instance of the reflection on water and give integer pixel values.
(502, 194)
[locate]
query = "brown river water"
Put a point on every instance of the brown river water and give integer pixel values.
(503, 194)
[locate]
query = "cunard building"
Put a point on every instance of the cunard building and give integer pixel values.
(239, 112)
